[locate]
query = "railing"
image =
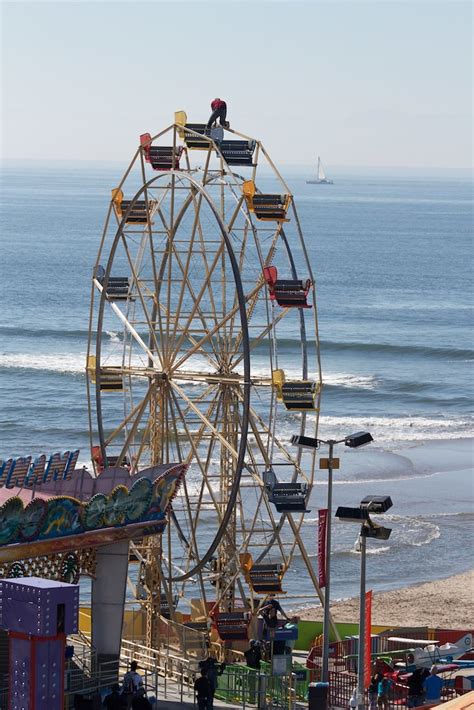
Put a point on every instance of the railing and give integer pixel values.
(76, 681)
(84, 654)
(251, 688)
(187, 642)
(341, 687)
(93, 686)
(173, 670)
(175, 677)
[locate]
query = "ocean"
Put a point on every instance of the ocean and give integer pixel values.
(392, 257)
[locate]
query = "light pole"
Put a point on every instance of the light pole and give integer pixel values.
(354, 441)
(370, 504)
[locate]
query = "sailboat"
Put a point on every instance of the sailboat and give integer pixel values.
(321, 178)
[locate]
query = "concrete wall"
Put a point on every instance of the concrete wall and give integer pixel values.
(108, 599)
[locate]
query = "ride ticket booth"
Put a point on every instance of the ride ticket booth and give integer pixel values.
(38, 614)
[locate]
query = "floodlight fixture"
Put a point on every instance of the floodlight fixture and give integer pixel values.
(305, 442)
(360, 438)
(352, 515)
(376, 531)
(376, 504)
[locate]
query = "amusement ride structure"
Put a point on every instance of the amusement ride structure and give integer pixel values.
(203, 359)
(201, 289)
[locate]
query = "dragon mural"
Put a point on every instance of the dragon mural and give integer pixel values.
(83, 510)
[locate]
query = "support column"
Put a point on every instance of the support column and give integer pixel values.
(108, 600)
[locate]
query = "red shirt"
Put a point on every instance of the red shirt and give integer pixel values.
(218, 103)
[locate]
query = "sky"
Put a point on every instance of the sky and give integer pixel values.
(360, 82)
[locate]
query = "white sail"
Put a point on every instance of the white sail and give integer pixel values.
(321, 173)
(321, 178)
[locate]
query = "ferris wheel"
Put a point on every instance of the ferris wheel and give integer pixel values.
(203, 349)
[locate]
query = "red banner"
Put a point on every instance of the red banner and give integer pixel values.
(367, 640)
(322, 534)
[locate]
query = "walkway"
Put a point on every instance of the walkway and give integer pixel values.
(173, 698)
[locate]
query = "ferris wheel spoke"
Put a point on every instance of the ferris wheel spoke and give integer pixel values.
(195, 307)
(199, 311)
(201, 416)
(131, 330)
(241, 270)
(194, 453)
(167, 262)
(200, 398)
(261, 281)
(148, 317)
(161, 280)
(255, 416)
(252, 301)
(186, 282)
(130, 434)
(191, 551)
(214, 411)
(209, 335)
(260, 337)
(208, 275)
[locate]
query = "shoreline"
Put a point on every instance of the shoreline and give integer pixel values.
(445, 603)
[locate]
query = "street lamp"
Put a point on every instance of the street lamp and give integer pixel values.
(353, 441)
(370, 504)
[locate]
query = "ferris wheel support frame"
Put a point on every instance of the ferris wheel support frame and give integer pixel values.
(198, 193)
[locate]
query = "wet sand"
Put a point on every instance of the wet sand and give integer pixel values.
(447, 603)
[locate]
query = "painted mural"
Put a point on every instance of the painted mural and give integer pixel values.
(145, 503)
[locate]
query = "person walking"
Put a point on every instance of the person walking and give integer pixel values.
(219, 111)
(433, 686)
(253, 656)
(382, 693)
(202, 688)
(373, 689)
(132, 683)
(213, 670)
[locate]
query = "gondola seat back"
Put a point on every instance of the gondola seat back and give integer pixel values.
(266, 207)
(192, 141)
(288, 293)
(286, 497)
(266, 578)
(237, 152)
(300, 396)
(160, 157)
(117, 288)
(232, 626)
(132, 211)
(110, 380)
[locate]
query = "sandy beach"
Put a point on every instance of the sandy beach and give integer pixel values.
(447, 603)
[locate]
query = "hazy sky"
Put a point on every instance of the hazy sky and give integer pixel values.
(363, 83)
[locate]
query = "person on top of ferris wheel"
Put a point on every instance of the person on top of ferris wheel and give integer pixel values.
(219, 111)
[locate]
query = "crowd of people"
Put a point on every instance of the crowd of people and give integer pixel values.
(424, 687)
(132, 694)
